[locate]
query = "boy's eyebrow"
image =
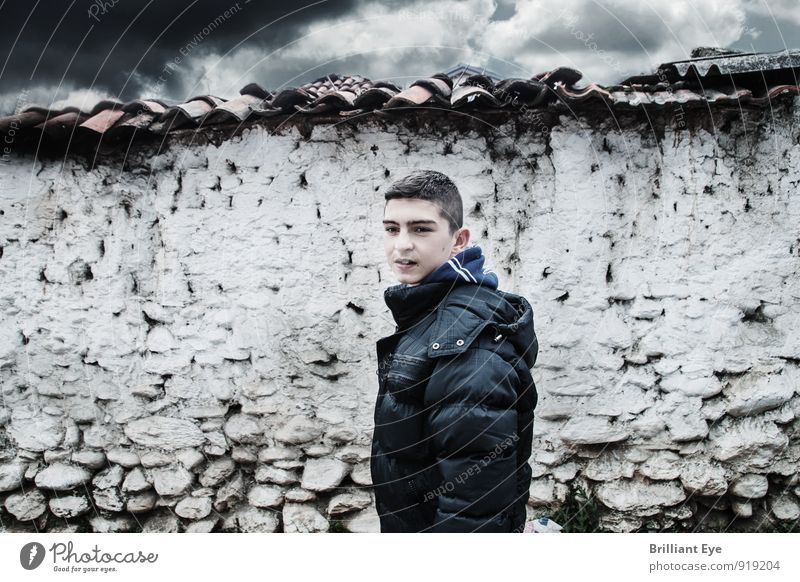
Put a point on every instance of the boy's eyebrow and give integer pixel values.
(411, 222)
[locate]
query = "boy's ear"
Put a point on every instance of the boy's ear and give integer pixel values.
(462, 240)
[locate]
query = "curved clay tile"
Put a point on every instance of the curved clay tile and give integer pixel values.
(144, 105)
(481, 81)
(592, 91)
(21, 121)
(103, 105)
(411, 97)
(387, 85)
(332, 101)
(435, 86)
(564, 75)
(375, 97)
(255, 90)
(466, 96)
(433, 90)
(134, 122)
(48, 111)
(62, 126)
(516, 92)
(103, 121)
(212, 100)
(188, 113)
(237, 109)
(773, 92)
(288, 98)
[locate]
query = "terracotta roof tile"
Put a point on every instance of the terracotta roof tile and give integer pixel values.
(474, 97)
(236, 110)
(721, 80)
(190, 113)
(148, 105)
(62, 126)
(21, 121)
(376, 96)
(103, 121)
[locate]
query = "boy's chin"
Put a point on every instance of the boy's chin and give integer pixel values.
(409, 280)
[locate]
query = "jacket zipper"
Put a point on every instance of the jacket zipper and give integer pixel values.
(413, 487)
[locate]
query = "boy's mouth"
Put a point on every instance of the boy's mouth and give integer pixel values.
(405, 264)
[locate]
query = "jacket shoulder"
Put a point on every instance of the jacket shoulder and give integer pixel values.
(461, 317)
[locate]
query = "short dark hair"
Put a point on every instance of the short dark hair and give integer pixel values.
(434, 187)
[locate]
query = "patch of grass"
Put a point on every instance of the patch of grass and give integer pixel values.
(337, 526)
(782, 527)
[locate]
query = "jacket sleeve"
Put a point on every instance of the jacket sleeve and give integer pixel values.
(471, 423)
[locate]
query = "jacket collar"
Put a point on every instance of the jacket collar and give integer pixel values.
(470, 308)
(410, 304)
(466, 311)
(467, 267)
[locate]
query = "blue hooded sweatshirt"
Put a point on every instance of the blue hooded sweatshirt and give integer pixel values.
(466, 267)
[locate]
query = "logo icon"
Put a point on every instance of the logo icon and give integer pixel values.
(31, 555)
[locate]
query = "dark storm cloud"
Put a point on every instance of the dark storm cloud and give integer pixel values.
(99, 44)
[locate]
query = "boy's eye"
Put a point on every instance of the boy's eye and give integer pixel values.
(418, 229)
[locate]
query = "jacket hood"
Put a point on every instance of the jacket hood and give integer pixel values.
(525, 337)
(466, 266)
(510, 314)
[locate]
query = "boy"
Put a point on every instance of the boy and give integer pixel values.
(454, 413)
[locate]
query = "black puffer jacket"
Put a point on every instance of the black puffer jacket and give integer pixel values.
(454, 413)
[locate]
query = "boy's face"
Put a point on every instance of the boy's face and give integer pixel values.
(414, 229)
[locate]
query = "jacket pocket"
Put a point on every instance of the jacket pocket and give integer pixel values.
(407, 377)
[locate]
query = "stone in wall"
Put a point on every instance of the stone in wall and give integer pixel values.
(629, 495)
(301, 518)
(62, 477)
(750, 486)
(165, 432)
(323, 474)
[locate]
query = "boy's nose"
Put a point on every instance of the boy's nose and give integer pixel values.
(403, 242)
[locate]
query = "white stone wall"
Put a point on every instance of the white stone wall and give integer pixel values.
(188, 333)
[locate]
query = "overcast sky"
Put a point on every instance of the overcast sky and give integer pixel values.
(77, 52)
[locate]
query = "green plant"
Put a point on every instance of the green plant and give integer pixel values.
(579, 512)
(337, 526)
